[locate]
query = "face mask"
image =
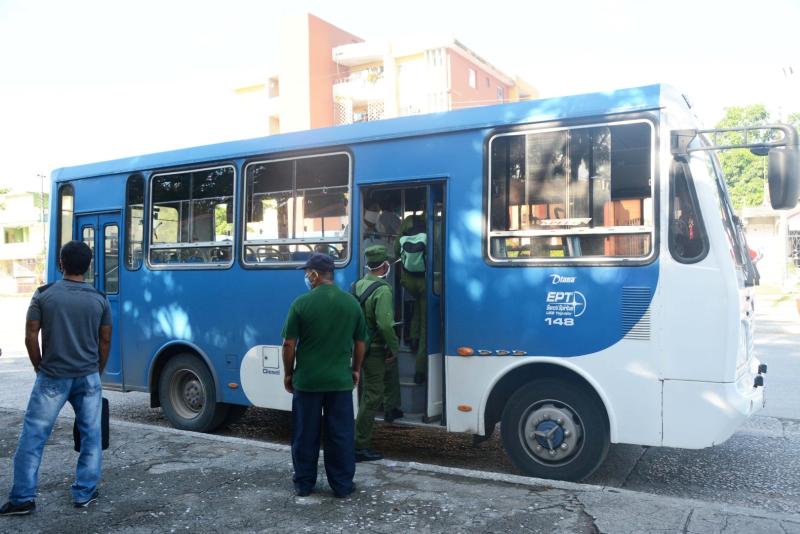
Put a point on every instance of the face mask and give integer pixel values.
(307, 280)
(371, 216)
(388, 270)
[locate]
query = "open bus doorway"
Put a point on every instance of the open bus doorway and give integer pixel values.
(393, 216)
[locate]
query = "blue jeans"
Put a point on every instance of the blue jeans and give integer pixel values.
(331, 412)
(47, 398)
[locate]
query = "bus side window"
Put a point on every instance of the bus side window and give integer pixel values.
(295, 207)
(134, 221)
(578, 192)
(66, 209)
(688, 242)
(189, 222)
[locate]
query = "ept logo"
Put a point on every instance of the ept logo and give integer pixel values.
(573, 300)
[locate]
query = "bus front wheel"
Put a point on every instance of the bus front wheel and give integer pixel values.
(554, 429)
(188, 397)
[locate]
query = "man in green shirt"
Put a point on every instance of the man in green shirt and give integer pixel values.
(323, 350)
(380, 365)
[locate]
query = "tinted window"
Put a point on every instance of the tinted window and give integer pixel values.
(191, 217)
(583, 192)
(295, 207)
(134, 221)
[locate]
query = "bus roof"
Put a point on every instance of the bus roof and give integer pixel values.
(548, 109)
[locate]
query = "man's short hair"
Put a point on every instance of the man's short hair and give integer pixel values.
(75, 258)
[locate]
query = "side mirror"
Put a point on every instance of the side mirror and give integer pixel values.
(784, 176)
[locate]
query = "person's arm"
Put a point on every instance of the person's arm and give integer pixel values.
(32, 343)
(358, 360)
(287, 354)
(104, 345)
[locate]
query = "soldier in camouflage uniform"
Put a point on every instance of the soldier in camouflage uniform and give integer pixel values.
(380, 364)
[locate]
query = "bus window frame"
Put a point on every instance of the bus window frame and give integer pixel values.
(145, 226)
(244, 242)
(652, 121)
(210, 166)
(59, 217)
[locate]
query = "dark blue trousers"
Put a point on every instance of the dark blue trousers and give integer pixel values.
(332, 413)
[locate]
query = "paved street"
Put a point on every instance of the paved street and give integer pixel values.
(755, 473)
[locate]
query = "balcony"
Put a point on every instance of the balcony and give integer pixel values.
(361, 86)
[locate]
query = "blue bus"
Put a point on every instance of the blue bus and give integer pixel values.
(587, 281)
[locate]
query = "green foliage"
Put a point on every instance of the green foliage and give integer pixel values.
(745, 173)
(221, 225)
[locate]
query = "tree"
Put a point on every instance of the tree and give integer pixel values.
(745, 173)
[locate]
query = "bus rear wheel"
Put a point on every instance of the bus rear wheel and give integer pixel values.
(554, 429)
(188, 397)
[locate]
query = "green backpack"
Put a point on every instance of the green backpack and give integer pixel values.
(412, 252)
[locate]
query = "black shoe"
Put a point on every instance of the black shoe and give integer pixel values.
(18, 509)
(367, 455)
(419, 378)
(344, 494)
(87, 502)
(302, 492)
(394, 413)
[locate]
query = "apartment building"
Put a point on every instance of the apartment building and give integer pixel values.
(23, 231)
(328, 77)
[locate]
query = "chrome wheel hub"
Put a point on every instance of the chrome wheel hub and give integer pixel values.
(551, 433)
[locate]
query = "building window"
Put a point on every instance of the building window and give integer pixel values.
(134, 222)
(66, 210)
(16, 234)
(488, 82)
(581, 193)
(473, 78)
(191, 218)
(500, 94)
(295, 207)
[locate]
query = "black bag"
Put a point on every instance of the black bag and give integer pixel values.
(76, 435)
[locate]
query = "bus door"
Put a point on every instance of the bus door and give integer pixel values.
(101, 232)
(388, 213)
(435, 287)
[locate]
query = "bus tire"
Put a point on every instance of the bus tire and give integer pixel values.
(188, 397)
(554, 429)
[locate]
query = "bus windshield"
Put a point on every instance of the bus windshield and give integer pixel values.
(733, 226)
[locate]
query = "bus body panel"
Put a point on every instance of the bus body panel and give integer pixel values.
(627, 363)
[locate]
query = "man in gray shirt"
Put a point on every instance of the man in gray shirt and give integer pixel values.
(75, 320)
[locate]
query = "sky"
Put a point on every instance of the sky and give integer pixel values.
(88, 80)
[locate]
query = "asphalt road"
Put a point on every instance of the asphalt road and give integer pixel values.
(759, 467)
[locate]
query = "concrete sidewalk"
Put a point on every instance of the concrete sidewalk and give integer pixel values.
(164, 480)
